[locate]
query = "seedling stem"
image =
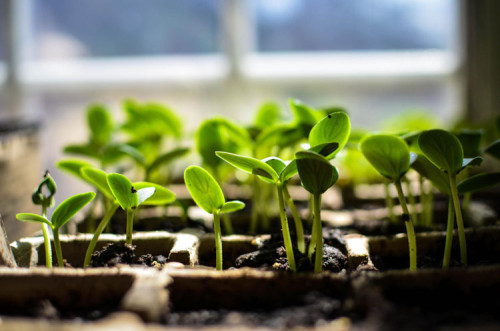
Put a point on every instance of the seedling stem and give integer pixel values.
(130, 226)
(409, 226)
(460, 222)
(102, 225)
(46, 240)
(57, 244)
(318, 261)
(218, 241)
(299, 229)
(449, 235)
(286, 232)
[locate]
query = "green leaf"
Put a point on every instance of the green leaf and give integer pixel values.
(316, 173)
(161, 196)
(235, 132)
(279, 135)
(97, 178)
(69, 207)
(276, 163)
(73, 167)
(479, 182)
(83, 150)
(267, 115)
(100, 124)
(204, 189)
(305, 114)
(428, 170)
(209, 139)
(470, 141)
(232, 206)
(388, 154)
(29, 217)
(494, 149)
(443, 149)
(168, 157)
(325, 150)
(471, 162)
(335, 127)
(145, 193)
(289, 171)
(123, 190)
(251, 166)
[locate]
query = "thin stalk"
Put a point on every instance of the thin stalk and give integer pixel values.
(413, 203)
(57, 245)
(255, 211)
(318, 261)
(46, 240)
(412, 242)
(466, 202)
(310, 217)
(130, 226)
(218, 241)
(102, 225)
(389, 203)
(460, 222)
(286, 232)
(299, 229)
(312, 242)
(449, 235)
(423, 202)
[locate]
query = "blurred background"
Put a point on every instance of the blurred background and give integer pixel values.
(376, 58)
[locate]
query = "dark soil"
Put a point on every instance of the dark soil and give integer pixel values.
(316, 309)
(114, 254)
(272, 254)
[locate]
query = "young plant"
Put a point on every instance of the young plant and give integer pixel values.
(209, 196)
(62, 214)
(39, 198)
(391, 157)
(444, 150)
(317, 175)
(122, 193)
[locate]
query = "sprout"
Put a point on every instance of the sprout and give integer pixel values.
(209, 196)
(317, 176)
(62, 214)
(391, 157)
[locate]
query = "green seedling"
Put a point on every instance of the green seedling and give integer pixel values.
(62, 214)
(317, 175)
(444, 150)
(277, 172)
(390, 156)
(122, 193)
(40, 198)
(209, 196)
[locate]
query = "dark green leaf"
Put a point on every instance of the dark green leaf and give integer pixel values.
(100, 124)
(161, 196)
(443, 149)
(69, 207)
(471, 142)
(29, 217)
(97, 178)
(232, 206)
(335, 127)
(479, 182)
(205, 191)
(325, 150)
(494, 149)
(123, 190)
(250, 165)
(428, 170)
(388, 154)
(289, 171)
(316, 173)
(73, 167)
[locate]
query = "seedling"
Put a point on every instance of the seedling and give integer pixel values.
(317, 176)
(444, 150)
(118, 189)
(209, 196)
(39, 198)
(62, 214)
(390, 156)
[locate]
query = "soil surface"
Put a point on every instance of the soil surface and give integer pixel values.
(121, 253)
(272, 255)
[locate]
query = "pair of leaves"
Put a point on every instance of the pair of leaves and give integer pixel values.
(38, 196)
(207, 193)
(335, 127)
(63, 213)
(388, 154)
(316, 173)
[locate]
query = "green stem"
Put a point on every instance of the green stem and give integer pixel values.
(130, 226)
(413, 203)
(299, 229)
(412, 242)
(389, 203)
(46, 240)
(423, 201)
(218, 241)
(286, 232)
(57, 245)
(460, 222)
(449, 235)
(312, 242)
(318, 261)
(466, 202)
(102, 225)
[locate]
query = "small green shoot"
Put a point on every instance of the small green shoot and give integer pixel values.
(62, 214)
(390, 156)
(208, 195)
(317, 176)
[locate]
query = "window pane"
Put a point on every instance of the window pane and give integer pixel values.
(323, 25)
(3, 28)
(70, 28)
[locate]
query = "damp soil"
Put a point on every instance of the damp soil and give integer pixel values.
(121, 253)
(271, 254)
